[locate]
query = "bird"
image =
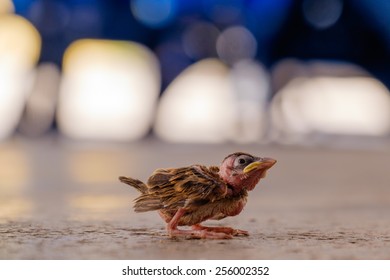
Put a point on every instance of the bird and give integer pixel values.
(188, 196)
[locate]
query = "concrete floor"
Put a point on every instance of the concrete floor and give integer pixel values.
(61, 200)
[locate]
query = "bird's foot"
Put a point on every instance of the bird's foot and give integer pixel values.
(194, 233)
(226, 230)
(199, 234)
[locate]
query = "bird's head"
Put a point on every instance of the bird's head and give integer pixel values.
(244, 171)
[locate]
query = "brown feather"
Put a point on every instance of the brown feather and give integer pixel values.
(137, 184)
(193, 187)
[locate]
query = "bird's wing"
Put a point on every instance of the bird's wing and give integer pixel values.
(187, 186)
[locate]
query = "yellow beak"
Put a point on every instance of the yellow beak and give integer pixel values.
(264, 164)
(252, 166)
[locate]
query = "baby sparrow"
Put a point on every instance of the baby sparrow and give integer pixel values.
(187, 196)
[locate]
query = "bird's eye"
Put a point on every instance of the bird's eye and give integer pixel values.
(241, 161)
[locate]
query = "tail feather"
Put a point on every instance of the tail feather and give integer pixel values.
(137, 184)
(146, 203)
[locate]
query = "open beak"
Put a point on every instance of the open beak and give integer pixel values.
(262, 163)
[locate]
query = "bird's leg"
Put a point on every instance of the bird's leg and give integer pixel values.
(173, 231)
(227, 230)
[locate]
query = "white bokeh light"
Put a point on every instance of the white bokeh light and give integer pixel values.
(199, 105)
(109, 90)
(154, 13)
(20, 45)
(212, 103)
(252, 88)
(339, 102)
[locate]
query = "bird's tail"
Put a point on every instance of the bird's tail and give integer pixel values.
(144, 202)
(137, 184)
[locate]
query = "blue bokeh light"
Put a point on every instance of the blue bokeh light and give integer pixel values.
(279, 27)
(154, 13)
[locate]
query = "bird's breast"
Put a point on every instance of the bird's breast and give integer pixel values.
(235, 208)
(213, 210)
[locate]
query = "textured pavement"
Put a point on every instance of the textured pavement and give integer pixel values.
(61, 199)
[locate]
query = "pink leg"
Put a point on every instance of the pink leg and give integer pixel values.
(227, 230)
(173, 231)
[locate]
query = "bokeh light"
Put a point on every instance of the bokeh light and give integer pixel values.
(210, 102)
(20, 43)
(236, 43)
(109, 90)
(19, 51)
(286, 70)
(251, 86)
(332, 103)
(322, 14)
(198, 106)
(6, 6)
(39, 112)
(154, 13)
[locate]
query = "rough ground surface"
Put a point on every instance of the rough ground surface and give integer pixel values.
(62, 200)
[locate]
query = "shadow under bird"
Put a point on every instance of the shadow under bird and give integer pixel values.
(188, 196)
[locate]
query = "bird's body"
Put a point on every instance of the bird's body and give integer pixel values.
(187, 196)
(198, 189)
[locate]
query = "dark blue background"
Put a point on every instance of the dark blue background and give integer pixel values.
(361, 35)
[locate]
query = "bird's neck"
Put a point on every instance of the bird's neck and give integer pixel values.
(236, 191)
(251, 182)
(237, 183)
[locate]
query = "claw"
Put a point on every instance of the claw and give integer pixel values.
(226, 230)
(240, 232)
(199, 234)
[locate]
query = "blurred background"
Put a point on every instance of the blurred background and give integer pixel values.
(194, 71)
(94, 89)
